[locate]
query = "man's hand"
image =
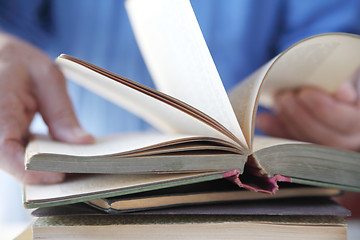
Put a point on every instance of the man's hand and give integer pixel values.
(30, 82)
(312, 115)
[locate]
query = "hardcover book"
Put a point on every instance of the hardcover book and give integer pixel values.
(316, 218)
(128, 193)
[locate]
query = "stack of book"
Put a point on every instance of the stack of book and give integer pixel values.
(204, 174)
(303, 218)
(82, 207)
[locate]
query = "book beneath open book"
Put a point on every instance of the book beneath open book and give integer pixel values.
(316, 218)
(116, 193)
(189, 227)
(202, 129)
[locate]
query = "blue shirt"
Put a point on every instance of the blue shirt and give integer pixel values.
(241, 35)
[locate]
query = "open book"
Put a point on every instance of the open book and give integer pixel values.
(201, 128)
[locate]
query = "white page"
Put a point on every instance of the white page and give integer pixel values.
(261, 142)
(161, 115)
(178, 59)
(244, 99)
(107, 145)
(93, 183)
(323, 61)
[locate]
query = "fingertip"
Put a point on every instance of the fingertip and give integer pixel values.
(36, 177)
(262, 121)
(346, 93)
(266, 123)
(309, 92)
(81, 136)
(311, 97)
(271, 125)
(285, 101)
(52, 178)
(305, 96)
(75, 135)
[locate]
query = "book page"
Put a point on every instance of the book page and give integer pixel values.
(244, 100)
(261, 142)
(145, 142)
(196, 194)
(163, 114)
(311, 164)
(100, 184)
(323, 61)
(178, 59)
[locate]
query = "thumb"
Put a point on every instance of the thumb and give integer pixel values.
(348, 91)
(56, 108)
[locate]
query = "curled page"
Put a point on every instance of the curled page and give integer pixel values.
(162, 111)
(323, 61)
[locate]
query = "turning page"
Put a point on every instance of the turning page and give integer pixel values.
(178, 59)
(323, 61)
